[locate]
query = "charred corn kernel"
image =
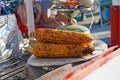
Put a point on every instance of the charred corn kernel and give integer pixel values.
(62, 36)
(50, 50)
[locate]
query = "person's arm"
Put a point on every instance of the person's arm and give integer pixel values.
(45, 4)
(21, 11)
(47, 19)
(62, 17)
(59, 17)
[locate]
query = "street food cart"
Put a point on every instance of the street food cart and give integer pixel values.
(86, 68)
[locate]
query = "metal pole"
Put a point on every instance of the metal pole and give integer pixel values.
(30, 17)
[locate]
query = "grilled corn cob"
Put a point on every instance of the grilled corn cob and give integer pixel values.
(50, 50)
(62, 36)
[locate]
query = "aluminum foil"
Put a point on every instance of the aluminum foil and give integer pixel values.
(11, 40)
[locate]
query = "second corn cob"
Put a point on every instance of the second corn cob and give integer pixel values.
(50, 50)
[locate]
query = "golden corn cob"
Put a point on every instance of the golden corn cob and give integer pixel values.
(50, 50)
(62, 36)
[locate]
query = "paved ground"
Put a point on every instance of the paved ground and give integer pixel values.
(101, 32)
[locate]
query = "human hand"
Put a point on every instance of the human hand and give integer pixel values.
(73, 21)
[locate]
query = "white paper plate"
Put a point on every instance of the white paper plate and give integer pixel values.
(100, 47)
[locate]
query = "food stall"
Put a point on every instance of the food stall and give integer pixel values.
(49, 64)
(65, 68)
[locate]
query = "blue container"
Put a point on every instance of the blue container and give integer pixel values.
(78, 18)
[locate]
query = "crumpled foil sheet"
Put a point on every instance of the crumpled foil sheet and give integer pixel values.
(11, 40)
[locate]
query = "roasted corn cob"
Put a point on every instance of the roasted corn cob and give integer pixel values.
(62, 36)
(50, 50)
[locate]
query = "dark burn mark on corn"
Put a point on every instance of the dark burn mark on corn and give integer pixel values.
(68, 47)
(74, 46)
(87, 50)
